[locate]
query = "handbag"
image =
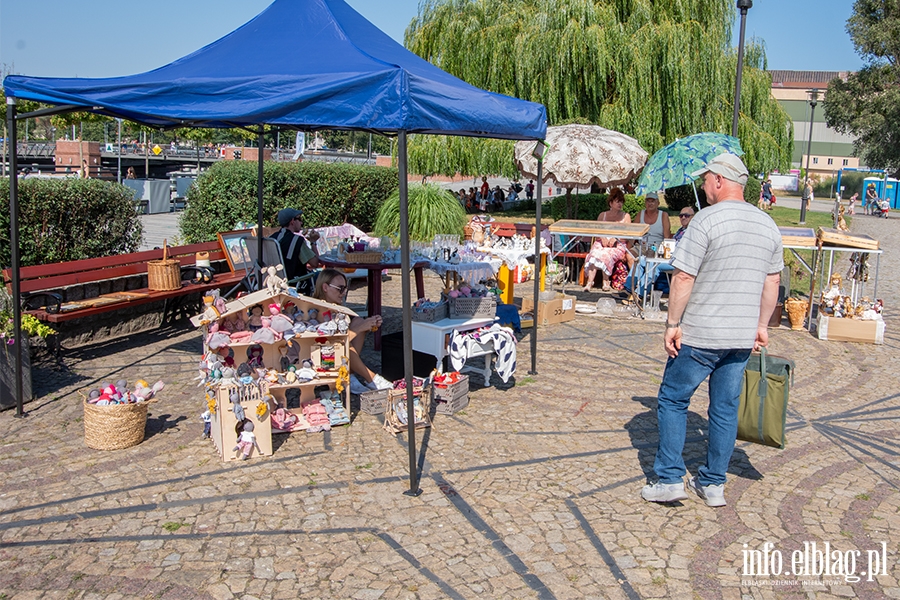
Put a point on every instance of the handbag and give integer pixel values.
(764, 397)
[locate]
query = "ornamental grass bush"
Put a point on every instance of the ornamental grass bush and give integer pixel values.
(432, 210)
(69, 219)
(328, 194)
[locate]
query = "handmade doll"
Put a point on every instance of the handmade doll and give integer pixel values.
(244, 374)
(206, 417)
(233, 323)
(217, 339)
(280, 322)
(254, 322)
(255, 356)
(284, 361)
(265, 334)
(284, 420)
(246, 441)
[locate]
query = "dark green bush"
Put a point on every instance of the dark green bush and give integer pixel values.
(591, 205)
(752, 191)
(329, 194)
(69, 219)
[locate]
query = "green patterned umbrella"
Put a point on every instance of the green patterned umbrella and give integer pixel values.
(672, 165)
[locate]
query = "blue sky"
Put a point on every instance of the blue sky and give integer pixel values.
(103, 38)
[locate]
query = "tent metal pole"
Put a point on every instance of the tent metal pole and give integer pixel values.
(259, 200)
(119, 151)
(414, 489)
(14, 246)
(537, 267)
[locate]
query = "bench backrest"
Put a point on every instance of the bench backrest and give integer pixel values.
(57, 275)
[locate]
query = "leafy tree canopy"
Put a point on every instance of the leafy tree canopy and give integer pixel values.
(653, 70)
(867, 104)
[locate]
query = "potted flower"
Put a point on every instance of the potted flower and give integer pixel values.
(30, 327)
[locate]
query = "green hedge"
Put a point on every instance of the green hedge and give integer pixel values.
(69, 219)
(591, 205)
(329, 194)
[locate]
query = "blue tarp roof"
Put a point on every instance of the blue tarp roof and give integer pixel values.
(302, 63)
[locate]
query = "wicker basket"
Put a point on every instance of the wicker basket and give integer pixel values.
(451, 399)
(165, 274)
(464, 308)
(366, 258)
(430, 315)
(114, 427)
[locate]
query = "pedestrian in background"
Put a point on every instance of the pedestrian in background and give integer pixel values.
(723, 291)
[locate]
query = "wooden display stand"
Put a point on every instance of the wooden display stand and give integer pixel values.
(306, 345)
(223, 421)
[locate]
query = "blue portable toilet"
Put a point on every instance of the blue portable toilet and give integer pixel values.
(892, 192)
(878, 182)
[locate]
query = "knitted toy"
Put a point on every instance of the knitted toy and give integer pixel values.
(246, 439)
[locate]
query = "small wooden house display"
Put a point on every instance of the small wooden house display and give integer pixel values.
(272, 362)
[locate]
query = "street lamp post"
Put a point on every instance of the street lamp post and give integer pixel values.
(804, 197)
(743, 6)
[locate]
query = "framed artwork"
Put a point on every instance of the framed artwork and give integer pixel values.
(235, 252)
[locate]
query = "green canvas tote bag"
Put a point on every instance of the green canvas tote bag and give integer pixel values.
(764, 398)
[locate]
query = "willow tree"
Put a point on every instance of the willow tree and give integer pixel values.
(653, 70)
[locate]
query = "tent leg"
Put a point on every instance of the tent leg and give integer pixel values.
(259, 196)
(537, 270)
(414, 489)
(14, 246)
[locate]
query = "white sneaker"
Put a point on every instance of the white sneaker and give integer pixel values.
(713, 495)
(664, 492)
(358, 387)
(380, 383)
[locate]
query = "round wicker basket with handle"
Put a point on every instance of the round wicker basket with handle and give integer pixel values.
(164, 275)
(114, 427)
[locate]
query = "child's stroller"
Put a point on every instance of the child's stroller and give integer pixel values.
(880, 208)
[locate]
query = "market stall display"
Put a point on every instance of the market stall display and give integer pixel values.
(272, 363)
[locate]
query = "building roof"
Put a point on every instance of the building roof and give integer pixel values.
(805, 79)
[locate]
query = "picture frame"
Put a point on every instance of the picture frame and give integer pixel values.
(235, 253)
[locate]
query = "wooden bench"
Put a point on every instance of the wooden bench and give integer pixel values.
(43, 288)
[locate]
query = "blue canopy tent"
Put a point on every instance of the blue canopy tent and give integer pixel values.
(337, 71)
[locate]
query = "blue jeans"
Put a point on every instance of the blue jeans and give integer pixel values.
(683, 374)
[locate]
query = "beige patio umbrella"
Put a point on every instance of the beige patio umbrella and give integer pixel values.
(582, 155)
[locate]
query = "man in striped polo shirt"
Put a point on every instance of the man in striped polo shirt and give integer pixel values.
(724, 289)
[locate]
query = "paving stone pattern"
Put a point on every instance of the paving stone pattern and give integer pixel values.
(531, 492)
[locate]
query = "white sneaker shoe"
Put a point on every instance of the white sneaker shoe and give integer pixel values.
(713, 495)
(664, 492)
(380, 383)
(358, 387)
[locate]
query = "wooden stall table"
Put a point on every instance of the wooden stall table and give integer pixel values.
(373, 277)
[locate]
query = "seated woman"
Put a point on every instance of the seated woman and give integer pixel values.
(658, 221)
(606, 252)
(331, 286)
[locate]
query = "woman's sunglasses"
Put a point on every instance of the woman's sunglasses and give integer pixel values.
(339, 288)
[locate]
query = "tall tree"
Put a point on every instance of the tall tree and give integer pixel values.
(867, 103)
(653, 70)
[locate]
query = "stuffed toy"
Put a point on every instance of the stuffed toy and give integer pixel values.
(274, 283)
(254, 321)
(235, 398)
(284, 361)
(265, 334)
(255, 356)
(306, 372)
(233, 323)
(279, 321)
(206, 417)
(246, 439)
(217, 339)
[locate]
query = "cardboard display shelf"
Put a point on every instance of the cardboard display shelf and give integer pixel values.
(835, 237)
(851, 330)
(798, 236)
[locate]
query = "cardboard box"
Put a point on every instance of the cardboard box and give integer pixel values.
(851, 330)
(558, 310)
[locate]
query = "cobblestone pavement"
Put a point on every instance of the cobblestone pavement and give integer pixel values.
(531, 492)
